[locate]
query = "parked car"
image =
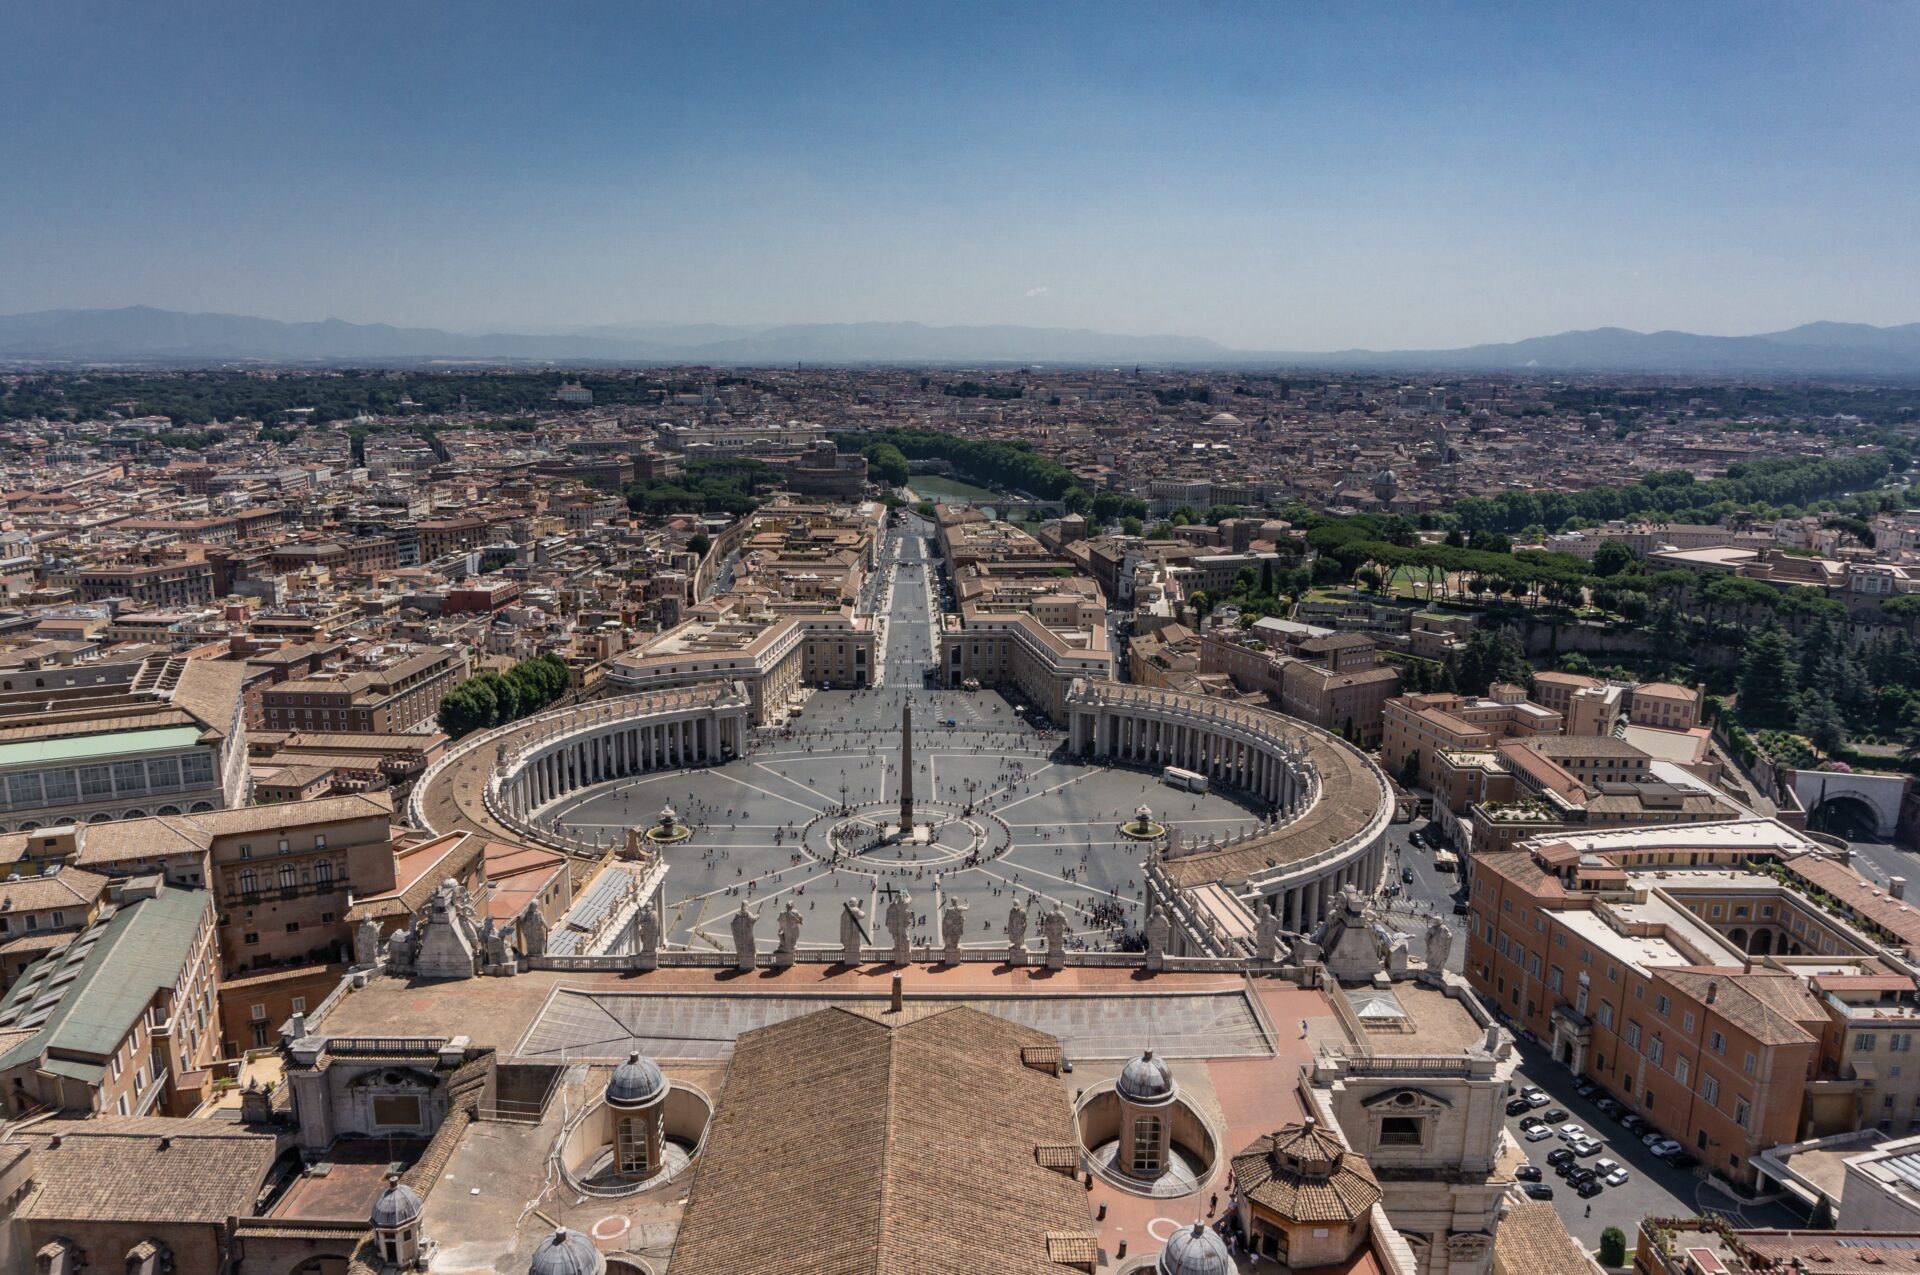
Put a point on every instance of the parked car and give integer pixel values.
(1559, 1156)
(1557, 1115)
(1666, 1147)
(1528, 1122)
(1616, 1178)
(1609, 1107)
(1681, 1160)
(1587, 1146)
(1652, 1136)
(1538, 1133)
(1537, 1190)
(1518, 1107)
(1570, 1131)
(1633, 1124)
(1460, 907)
(1588, 1189)
(1535, 1096)
(1585, 1088)
(1528, 1173)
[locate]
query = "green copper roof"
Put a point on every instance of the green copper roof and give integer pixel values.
(43, 752)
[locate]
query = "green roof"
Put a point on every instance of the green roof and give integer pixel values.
(94, 988)
(41, 752)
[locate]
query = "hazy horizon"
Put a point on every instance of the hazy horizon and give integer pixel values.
(1270, 177)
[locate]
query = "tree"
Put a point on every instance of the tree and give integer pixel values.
(1076, 500)
(887, 463)
(1613, 1247)
(1200, 603)
(698, 544)
(1819, 720)
(1611, 558)
(1132, 526)
(1768, 679)
(1821, 1219)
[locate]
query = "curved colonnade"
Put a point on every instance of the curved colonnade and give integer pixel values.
(1331, 804)
(498, 782)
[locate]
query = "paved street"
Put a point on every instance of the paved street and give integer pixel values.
(1653, 1188)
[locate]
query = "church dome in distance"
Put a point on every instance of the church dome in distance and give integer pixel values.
(1198, 1250)
(1223, 420)
(567, 1253)
(635, 1082)
(1146, 1080)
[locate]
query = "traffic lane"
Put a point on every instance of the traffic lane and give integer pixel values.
(1877, 861)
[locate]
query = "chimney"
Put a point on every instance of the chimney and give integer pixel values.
(898, 996)
(1897, 887)
(1713, 990)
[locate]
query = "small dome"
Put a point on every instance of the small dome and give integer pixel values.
(1199, 1250)
(635, 1082)
(1145, 1080)
(1223, 419)
(398, 1205)
(567, 1253)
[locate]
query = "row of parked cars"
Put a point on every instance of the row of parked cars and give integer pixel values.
(1586, 1180)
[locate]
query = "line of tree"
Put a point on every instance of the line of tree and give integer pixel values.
(494, 699)
(990, 463)
(1674, 495)
(719, 485)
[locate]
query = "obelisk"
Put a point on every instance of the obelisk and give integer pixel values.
(906, 770)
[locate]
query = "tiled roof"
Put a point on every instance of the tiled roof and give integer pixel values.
(1278, 1172)
(845, 1144)
(1532, 1240)
(1763, 1005)
(146, 1170)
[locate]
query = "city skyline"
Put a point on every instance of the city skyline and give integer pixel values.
(1268, 179)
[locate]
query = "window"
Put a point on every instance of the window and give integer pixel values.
(1865, 1043)
(1633, 1035)
(1749, 1065)
(1680, 1070)
(249, 884)
(323, 872)
(259, 1012)
(1146, 1146)
(1741, 1111)
(1710, 1089)
(1656, 1051)
(250, 938)
(633, 1147)
(293, 927)
(299, 1004)
(1717, 1043)
(1662, 1004)
(286, 876)
(1605, 1015)
(1686, 1022)
(1401, 1131)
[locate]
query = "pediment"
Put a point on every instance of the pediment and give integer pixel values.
(1405, 1101)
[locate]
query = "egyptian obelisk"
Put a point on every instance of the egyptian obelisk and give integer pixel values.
(906, 769)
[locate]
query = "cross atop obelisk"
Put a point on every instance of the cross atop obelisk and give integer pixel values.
(906, 769)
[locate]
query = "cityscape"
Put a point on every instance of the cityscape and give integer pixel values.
(929, 736)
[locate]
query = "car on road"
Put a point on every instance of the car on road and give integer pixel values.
(1557, 1115)
(1518, 1107)
(1666, 1147)
(1535, 1096)
(1559, 1156)
(1527, 1173)
(1539, 1133)
(1406, 876)
(1537, 1190)
(1460, 907)
(1588, 1189)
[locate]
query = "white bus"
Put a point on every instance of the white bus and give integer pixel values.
(1185, 780)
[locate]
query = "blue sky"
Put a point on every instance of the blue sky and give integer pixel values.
(1271, 175)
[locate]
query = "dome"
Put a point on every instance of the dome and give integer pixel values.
(635, 1082)
(1147, 1080)
(1223, 419)
(398, 1205)
(1199, 1250)
(567, 1253)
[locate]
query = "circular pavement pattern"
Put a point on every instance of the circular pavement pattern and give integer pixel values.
(807, 816)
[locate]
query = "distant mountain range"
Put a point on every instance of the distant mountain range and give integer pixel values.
(141, 334)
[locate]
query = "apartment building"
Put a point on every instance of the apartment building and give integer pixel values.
(773, 656)
(1334, 680)
(381, 690)
(1722, 1003)
(165, 585)
(120, 1019)
(1415, 727)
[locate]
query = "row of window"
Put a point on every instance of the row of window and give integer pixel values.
(62, 785)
